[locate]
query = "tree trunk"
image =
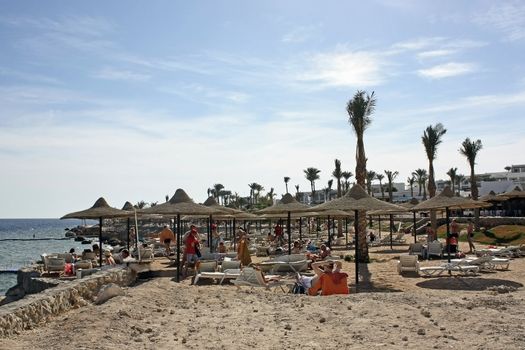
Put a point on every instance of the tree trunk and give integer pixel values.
(431, 194)
(339, 221)
(360, 176)
(474, 193)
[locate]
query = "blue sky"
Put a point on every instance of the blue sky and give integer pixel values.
(131, 100)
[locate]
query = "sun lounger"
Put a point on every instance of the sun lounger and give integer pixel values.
(485, 262)
(416, 249)
(251, 277)
(449, 267)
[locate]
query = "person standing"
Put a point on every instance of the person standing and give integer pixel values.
(453, 237)
(191, 244)
(470, 237)
(215, 237)
(431, 236)
(166, 236)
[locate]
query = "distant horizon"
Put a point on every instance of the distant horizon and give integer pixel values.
(131, 105)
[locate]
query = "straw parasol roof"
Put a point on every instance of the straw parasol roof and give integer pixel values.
(128, 206)
(356, 199)
(244, 215)
(100, 209)
(288, 204)
(515, 193)
(446, 199)
(180, 204)
(492, 197)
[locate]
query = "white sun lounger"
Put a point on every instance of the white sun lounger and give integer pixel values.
(452, 267)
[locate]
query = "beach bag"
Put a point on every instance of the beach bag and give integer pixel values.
(198, 251)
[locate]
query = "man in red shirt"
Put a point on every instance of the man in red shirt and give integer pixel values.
(191, 248)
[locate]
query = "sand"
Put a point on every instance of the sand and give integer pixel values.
(398, 312)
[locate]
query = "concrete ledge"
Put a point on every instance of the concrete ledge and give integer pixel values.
(37, 308)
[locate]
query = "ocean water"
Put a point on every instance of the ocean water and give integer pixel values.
(15, 254)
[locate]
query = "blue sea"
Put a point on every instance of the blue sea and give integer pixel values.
(14, 254)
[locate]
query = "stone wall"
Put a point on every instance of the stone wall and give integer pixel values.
(37, 308)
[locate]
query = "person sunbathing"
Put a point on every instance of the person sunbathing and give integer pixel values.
(330, 279)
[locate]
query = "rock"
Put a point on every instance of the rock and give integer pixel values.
(322, 320)
(405, 338)
(421, 331)
(288, 327)
(107, 292)
(425, 313)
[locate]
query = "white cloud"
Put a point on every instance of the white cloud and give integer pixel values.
(203, 94)
(117, 74)
(342, 69)
(435, 53)
(508, 18)
(447, 70)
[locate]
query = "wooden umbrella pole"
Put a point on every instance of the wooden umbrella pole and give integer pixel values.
(100, 241)
(415, 229)
(289, 234)
(179, 236)
(137, 233)
(356, 228)
(391, 229)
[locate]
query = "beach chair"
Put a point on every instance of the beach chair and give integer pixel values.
(486, 262)
(416, 249)
(54, 264)
(435, 249)
(408, 263)
(449, 267)
(146, 255)
(251, 277)
(207, 269)
(261, 251)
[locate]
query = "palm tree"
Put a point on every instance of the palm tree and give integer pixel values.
(370, 176)
(419, 174)
(347, 175)
(257, 192)
(470, 150)
(217, 188)
(431, 139)
(410, 181)
(452, 174)
(424, 180)
(286, 179)
(252, 186)
(330, 183)
(459, 179)
(297, 192)
(380, 177)
(338, 174)
(311, 175)
(271, 195)
(390, 175)
(359, 109)
(141, 205)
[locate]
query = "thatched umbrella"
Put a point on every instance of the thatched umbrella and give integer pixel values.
(515, 193)
(356, 199)
(446, 200)
(179, 204)
(514, 200)
(492, 197)
(288, 205)
(100, 210)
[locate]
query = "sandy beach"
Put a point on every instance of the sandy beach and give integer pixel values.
(398, 312)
